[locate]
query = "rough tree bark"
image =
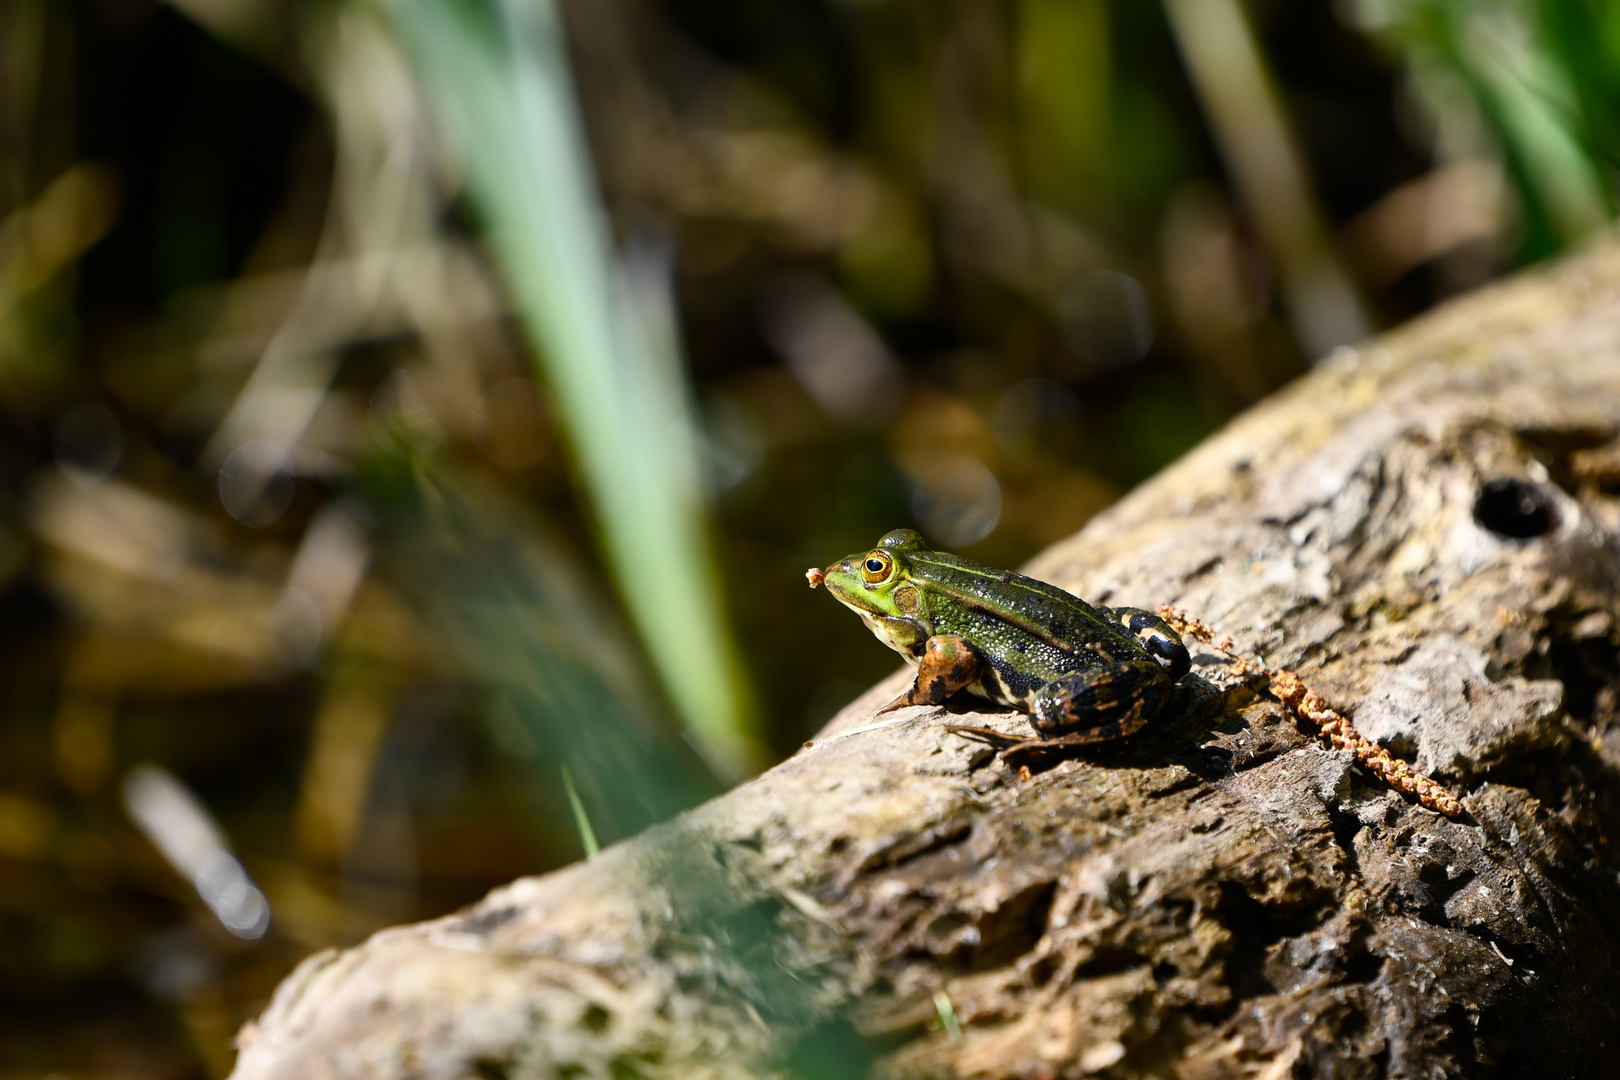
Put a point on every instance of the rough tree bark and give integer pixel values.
(1424, 527)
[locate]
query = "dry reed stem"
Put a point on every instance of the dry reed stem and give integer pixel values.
(1335, 729)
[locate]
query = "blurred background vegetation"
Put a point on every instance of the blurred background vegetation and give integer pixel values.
(418, 414)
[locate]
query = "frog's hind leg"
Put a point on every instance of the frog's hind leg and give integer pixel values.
(1084, 708)
(948, 664)
(1098, 731)
(1100, 704)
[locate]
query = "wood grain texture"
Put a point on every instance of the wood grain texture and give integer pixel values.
(1417, 528)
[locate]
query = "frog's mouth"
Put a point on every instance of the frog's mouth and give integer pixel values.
(835, 578)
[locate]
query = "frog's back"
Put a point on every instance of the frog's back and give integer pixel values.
(1041, 631)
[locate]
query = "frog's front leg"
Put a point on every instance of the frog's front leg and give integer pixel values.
(948, 664)
(1099, 704)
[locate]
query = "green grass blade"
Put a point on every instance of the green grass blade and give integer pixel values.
(587, 836)
(497, 75)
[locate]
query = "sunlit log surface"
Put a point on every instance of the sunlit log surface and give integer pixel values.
(1425, 527)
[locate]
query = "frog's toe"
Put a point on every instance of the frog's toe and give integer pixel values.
(899, 702)
(992, 735)
(1059, 742)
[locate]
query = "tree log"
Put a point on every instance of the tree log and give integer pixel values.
(1423, 527)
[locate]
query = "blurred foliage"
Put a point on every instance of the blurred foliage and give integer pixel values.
(498, 74)
(314, 596)
(1543, 78)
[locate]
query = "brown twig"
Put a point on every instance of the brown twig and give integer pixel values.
(1337, 730)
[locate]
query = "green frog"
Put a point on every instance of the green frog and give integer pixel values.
(1084, 674)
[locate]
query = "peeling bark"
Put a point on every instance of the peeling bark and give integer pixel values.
(1424, 528)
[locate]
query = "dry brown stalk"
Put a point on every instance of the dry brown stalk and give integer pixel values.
(1335, 729)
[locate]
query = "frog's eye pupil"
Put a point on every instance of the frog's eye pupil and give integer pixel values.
(875, 565)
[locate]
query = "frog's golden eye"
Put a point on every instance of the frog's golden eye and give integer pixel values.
(876, 568)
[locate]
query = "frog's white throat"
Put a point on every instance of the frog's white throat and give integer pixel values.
(892, 632)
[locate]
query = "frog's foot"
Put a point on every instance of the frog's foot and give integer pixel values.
(1012, 745)
(948, 664)
(1105, 734)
